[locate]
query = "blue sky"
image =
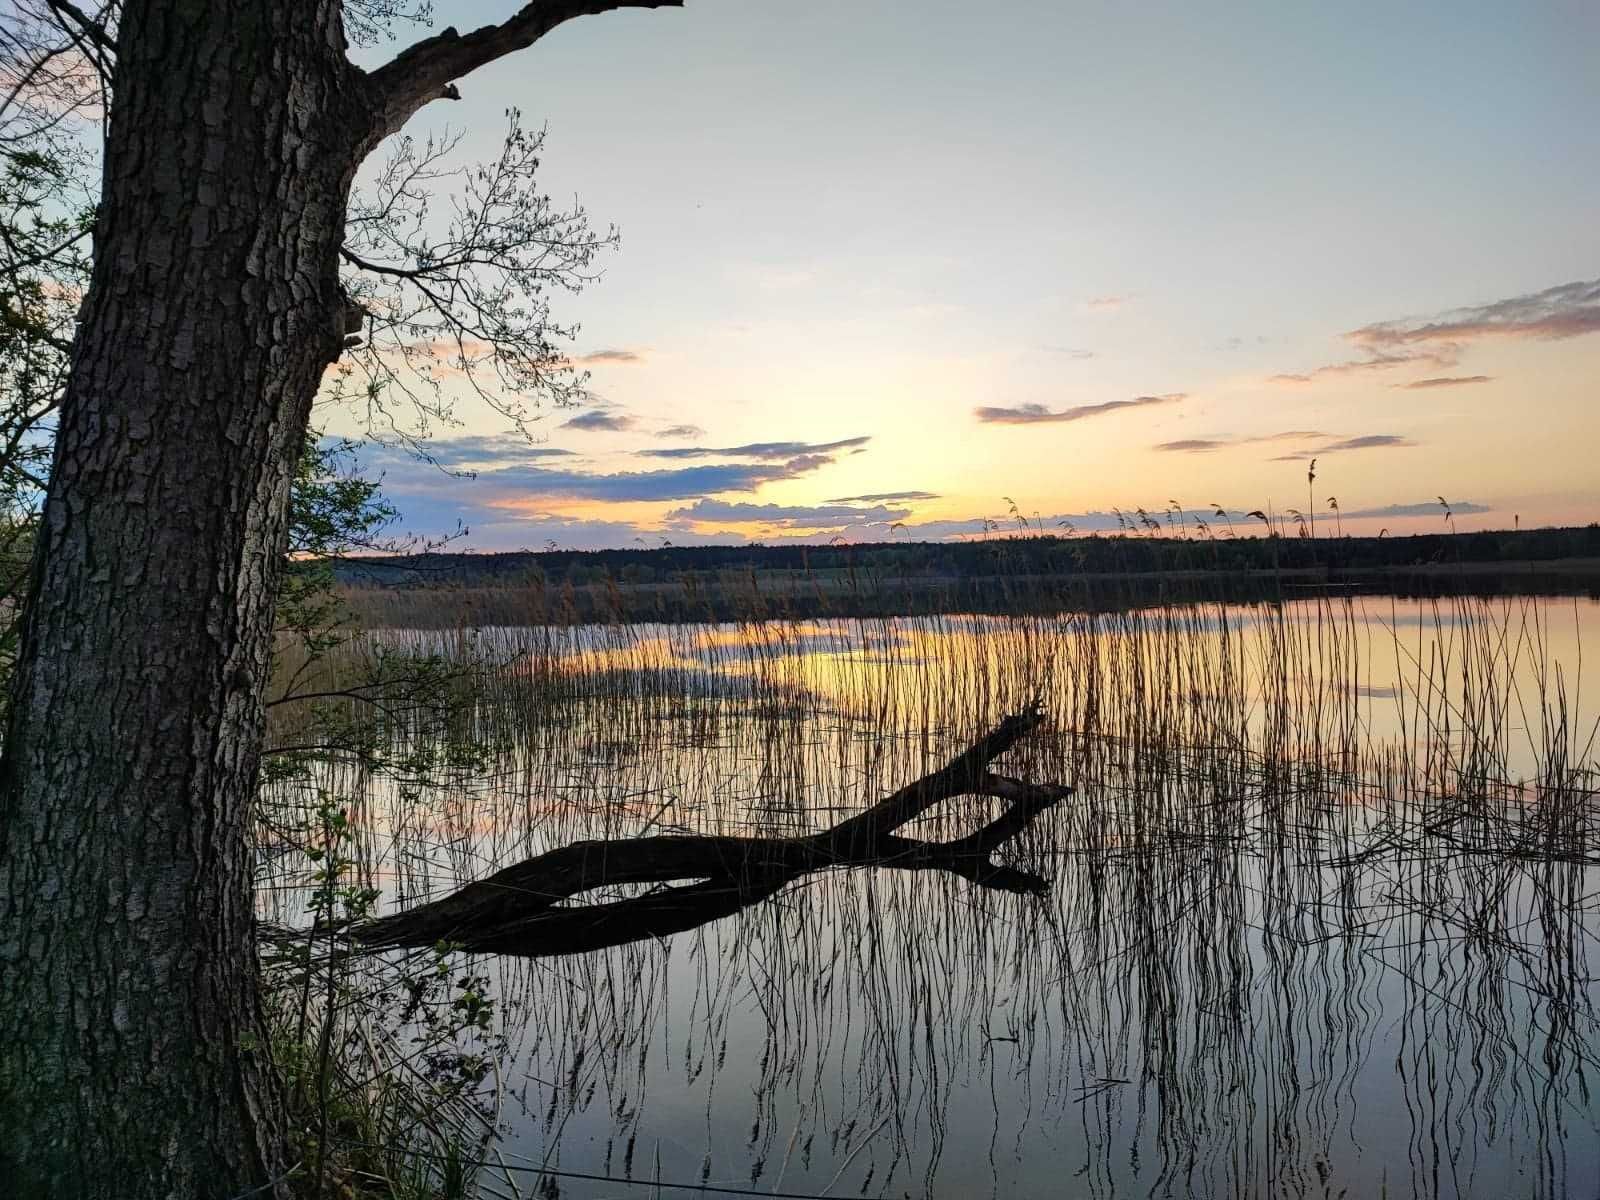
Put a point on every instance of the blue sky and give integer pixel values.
(965, 242)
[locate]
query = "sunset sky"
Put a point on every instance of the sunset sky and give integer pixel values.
(886, 264)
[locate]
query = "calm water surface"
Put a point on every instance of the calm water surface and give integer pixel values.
(1323, 918)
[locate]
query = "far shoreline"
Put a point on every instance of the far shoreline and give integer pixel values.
(998, 576)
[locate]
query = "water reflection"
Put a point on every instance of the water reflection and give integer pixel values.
(1321, 925)
(1169, 1023)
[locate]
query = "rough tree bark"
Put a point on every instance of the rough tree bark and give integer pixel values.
(130, 1055)
(520, 910)
(131, 1058)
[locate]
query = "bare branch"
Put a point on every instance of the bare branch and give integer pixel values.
(94, 30)
(428, 70)
(464, 298)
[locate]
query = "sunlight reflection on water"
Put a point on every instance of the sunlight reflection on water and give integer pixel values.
(1322, 918)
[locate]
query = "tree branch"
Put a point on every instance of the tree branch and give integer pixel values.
(94, 30)
(428, 70)
(520, 909)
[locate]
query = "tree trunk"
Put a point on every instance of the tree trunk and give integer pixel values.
(131, 1060)
(131, 1057)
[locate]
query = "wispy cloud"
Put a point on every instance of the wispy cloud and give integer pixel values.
(479, 450)
(1038, 414)
(683, 483)
(457, 355)
(681, 431)
(1427, 508)
(1366, 441)
(1370, 441)
(1204, 445)
(596, 357)
(788, 516)
(1191, 445)
(886, 497)
(1107, 303)
(1374, 362)
(599, 421)
(507, 475)
(765, 451)
(1443, 381)
(1568, 310)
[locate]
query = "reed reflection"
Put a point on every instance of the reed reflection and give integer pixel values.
(1320, 922)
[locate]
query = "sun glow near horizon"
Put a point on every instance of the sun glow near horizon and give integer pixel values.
(1066, 265)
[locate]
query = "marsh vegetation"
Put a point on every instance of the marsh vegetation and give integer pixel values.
(1322, 918)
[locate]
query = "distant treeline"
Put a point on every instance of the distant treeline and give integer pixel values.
(1009, 555)
(998, 575)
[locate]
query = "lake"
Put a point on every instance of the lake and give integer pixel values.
(1322, 920)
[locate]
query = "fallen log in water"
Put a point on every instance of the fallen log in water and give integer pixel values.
(519, 910)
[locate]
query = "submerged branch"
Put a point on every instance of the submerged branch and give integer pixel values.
(519, 910)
